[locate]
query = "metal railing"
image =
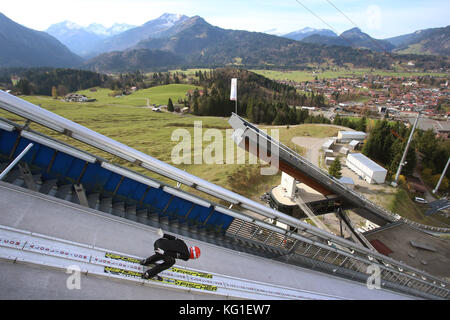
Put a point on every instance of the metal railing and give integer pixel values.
(305, 249)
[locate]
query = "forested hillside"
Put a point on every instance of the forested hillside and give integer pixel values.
(260, 99)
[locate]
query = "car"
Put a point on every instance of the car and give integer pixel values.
(420, 200)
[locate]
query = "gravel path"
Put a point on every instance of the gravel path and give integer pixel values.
(312, 146)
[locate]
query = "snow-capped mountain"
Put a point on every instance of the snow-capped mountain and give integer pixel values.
(170, 18)
(306, 32)
(101, 30)
(63, 28)
(129, 38)
(117, 28)
(81, 39)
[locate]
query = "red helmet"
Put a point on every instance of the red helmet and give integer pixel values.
(194, 252)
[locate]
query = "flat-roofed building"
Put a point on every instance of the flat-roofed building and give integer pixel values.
(329, 153)
(347, 136)
(366, 168)
(328, 144)
(343, 150)
(353, 144)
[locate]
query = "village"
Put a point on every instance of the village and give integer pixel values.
(384, 96)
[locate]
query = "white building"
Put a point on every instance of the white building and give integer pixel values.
(329, 160)
(328, 144)
(366, 168)
(347, 136)
(328, 153)
(343, 150)
(353, 144)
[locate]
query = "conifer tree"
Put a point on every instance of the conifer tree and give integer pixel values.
(170, 106)
(335, 168)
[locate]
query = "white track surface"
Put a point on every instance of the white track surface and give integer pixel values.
(25, 247)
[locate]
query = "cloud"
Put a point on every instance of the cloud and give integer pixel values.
(373, 13)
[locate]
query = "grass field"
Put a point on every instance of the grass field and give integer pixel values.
(155, 95)
(402, 204)
(299, 76)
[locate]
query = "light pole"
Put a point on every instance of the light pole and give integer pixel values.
(442, 177)
(402, 161)
(17, 159)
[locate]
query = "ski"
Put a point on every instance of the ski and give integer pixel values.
(116, 256)
(138, 275)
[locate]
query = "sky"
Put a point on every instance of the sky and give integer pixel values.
(380, 19)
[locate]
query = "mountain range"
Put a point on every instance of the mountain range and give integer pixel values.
(306, 32)
(428, 41)
(82, 40)
(129, 38)
(433, 41)
(201, 44)
(24, 47)
(178, 40)
(354, 38)
(96, 39)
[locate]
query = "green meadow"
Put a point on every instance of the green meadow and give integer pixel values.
(301, 75)
(155, 95)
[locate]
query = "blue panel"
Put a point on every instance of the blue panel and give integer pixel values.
(201, 214)
(95, 177)
(128, 187)
(61, 164)
(43, 156)
(7, 140)
(112, 182)
(157, 198)
(99, 179)
(138, 192)
(179, 207)
(75, 169)
(215, 217)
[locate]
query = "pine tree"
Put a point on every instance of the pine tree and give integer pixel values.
(195, 111)
(362, 124)
(170, 106)
(335, 168)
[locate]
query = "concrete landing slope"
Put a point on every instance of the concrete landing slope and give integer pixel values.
(40, 214)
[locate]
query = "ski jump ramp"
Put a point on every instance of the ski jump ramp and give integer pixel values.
(62, 198)
(47, 239)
